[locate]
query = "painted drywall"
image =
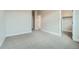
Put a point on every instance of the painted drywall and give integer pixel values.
(2, 27)
(65, 13)
(76, 25)
(67, 24)
(18, 22)
(51, 21)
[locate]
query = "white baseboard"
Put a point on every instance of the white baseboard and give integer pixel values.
(8, 35)
(76, 40)
(57, 34)
(1, 41)
(3, 38)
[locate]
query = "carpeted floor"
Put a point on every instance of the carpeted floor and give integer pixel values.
(39, 40)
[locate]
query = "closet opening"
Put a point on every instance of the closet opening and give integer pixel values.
(67, 22)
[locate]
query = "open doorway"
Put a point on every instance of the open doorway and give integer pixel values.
(67, 22)
(36, 20)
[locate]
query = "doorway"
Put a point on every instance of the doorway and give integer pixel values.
(67, 22)
(36, 20)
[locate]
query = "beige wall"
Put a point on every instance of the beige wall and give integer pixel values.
(66, 13)
(67, 24)
(51, 21)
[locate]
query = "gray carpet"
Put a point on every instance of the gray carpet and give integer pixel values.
(39, 40)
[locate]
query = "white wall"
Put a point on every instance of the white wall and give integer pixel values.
(76, 25)
(18, 22)
(2, 27)
(51, 22)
